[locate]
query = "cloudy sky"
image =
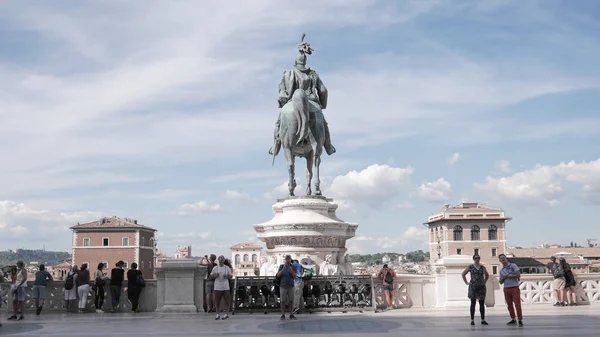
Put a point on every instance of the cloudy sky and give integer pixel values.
(164, 112)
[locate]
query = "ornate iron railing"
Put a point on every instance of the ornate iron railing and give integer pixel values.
(55, 298)
(321, 293)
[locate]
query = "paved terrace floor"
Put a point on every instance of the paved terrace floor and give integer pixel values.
(542, 320)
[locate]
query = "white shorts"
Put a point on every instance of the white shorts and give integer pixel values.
(71, 294)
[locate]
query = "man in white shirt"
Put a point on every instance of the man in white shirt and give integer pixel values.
(221, 274)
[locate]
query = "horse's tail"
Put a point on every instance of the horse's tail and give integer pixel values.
(302, 114)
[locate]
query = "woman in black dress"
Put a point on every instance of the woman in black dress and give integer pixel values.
(477, 289)
(570, 283)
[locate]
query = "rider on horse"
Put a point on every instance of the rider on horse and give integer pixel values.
(307, 79)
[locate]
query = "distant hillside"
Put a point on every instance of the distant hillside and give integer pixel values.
(41, 256)
(375, 259)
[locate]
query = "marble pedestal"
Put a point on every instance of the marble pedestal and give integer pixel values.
(451, 291)
(180, 286)
(306, 226)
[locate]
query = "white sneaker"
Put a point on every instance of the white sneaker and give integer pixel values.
(98, 311)
(218, 317)
(225, 317)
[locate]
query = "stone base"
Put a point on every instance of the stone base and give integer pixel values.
(306, 226)
(179, 308)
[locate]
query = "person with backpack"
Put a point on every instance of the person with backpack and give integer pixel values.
(117, 275)
(83, 286)
(39, 288)
(387, 276)
(99, 283)
(70, 289)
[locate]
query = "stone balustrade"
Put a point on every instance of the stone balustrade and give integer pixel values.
(327, 293)
(55, 298)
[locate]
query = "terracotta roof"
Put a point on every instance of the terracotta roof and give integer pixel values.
(113, 222)
(245, 246)
(547, 252)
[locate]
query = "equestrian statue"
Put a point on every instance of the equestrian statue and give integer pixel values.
(301, 127)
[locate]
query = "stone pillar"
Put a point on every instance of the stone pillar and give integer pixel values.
(451, 291)
(180, 286)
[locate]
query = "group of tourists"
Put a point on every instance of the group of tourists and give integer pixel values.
(76, 288)
(564, 280)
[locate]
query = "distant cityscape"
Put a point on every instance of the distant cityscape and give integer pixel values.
(464, 229)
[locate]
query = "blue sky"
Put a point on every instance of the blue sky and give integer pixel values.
(164, 112)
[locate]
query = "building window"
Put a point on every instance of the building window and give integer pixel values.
(237, 259)
(458, 233)
(246, 258)
(142, 241)
(476, 251)
(105, 242)
(105, 265)
(86, 242)
(494, 251)
(142, 265)
(475, 230)
(493, 233)
(126, 264)
(254, 258)
(458, 251)
(125, 241)
(150, 264)
(495, 270)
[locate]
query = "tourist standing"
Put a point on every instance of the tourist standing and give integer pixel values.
(117, 275)
(477, 288)
(221, 274)
(231, 284)
(558, 284)
(99, 282)
(19, 292)
(39, 288)
(287, 275)
(83, 286)
(509, 277)
(134, 287)
(209, 286)
(298, 287)
(70, 288)
(387, 275)
(570, 283)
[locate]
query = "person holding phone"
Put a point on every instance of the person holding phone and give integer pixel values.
(221, 274)
(287, 274)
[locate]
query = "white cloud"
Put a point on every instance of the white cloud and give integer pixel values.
(238, 196)
(455, 157)
(545, 184)
(503, 166)
(18, 220)
(435, 191)
(404, 205)
(372, 186)
(198, 207)
(413, 238)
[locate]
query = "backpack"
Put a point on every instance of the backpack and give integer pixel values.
(277, 280)
(308, 274)
(389, 278)
(69, 283)
(140, 280)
